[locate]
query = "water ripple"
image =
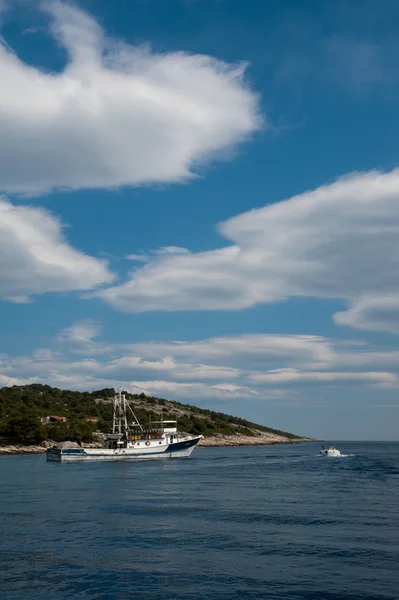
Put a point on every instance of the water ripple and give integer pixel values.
(229, 524)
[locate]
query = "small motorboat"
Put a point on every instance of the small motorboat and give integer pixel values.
(332, 451)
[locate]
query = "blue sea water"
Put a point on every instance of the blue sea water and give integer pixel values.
(229, 523)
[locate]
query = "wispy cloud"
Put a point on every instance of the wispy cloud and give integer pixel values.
(337, 48)
(379, 312)
(81, 332)
(165, 251)
(267, 368)
(295, 376)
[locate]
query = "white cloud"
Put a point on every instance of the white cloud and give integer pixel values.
(174, 369)
(35, 258)
(247, 350)
(166, 250)
(117, 114)
(137, 257)
(81, 338)
(125, 367)
(190, 390)
(338, 241)
(265, 352)
(10, 381)
(81, 331)
(237, 367)
(43, 354)
(293, 375)
(20, 299)
(172, 250)
(374, 312)
(130, 364)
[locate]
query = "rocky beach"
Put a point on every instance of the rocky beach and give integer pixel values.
(263, 439)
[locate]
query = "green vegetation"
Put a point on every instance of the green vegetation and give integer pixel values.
(23, 407)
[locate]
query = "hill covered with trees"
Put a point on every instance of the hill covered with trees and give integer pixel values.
(24, 411)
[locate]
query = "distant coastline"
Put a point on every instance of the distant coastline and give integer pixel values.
(217, 441)
(7, 450)
(263, 439)
(37, 416)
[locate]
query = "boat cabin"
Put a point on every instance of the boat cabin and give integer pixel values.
(165, 433)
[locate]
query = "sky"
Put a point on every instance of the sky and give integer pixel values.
(199, 201)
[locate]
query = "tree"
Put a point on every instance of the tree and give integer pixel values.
(25, 430)
(58, 431)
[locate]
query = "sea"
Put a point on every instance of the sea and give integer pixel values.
(250, 523)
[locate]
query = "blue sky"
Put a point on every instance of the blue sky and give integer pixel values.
(199, 200)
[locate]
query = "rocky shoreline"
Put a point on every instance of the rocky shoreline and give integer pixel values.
(21, 450)
(36, 449)
(208, 442)
(265, 439)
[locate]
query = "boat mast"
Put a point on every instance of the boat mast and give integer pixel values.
(119, 424)
(121, 405)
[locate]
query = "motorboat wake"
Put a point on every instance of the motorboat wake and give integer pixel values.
(331, 451)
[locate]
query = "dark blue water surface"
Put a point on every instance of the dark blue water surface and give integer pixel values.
(228, 523)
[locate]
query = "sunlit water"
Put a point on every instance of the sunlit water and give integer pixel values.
(228, 523)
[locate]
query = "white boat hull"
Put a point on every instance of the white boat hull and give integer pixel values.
(330, 452)
(334, 452)
(178, 449)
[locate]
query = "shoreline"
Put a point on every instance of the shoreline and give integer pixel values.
(17, 449)
(220, 441)
(223, 441)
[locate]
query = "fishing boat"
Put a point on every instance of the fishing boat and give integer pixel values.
(332, 451)
(129, 441)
